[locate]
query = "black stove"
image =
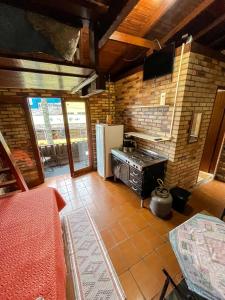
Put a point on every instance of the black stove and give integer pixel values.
(139, 159)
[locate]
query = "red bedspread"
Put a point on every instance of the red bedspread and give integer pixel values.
(31, 248)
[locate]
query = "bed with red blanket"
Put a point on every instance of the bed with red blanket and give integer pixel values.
(32, 261)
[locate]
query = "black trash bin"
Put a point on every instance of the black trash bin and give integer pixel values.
(180, 198)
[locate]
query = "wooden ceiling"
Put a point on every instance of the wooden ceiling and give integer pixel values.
(124, 31)
(166, 21)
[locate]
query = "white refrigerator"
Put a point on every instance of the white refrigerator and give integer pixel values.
(107, 137)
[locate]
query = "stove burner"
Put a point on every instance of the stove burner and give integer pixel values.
(139, 159)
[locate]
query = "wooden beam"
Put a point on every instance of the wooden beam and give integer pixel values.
(87, 46)
(119, 19)
(210, 27)
(47, 60)
(199, 9)
(132, 40)
(31, 70)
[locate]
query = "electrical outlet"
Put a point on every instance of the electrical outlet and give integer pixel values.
(163, 98)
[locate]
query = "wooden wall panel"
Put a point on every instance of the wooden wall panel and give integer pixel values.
(207, 165)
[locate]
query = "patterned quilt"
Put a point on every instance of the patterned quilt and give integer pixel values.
(32, 264)
(199, 245)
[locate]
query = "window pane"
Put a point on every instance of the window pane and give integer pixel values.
(76, 114)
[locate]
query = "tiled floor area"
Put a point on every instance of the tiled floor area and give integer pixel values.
(136, 240)
(204, 177)
(63, 170)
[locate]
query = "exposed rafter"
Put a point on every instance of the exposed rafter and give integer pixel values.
(210, 27)
(121, 16)
(199, 9)
(132, 40)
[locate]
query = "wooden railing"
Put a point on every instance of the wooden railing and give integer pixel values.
(57, 155)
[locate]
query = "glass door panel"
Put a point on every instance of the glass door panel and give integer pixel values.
(76, 115)
(49, 126)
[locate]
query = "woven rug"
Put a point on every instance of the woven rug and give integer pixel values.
(93, 274)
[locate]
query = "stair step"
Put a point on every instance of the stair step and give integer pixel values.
(4, 170)
(7, 183)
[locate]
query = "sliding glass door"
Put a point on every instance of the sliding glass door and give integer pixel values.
(78, 135)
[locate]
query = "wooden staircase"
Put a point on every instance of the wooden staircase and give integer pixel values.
(11, 179)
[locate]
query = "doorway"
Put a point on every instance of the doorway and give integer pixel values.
(214, 139)
(49, 127)
(61, 129)
(78, 134)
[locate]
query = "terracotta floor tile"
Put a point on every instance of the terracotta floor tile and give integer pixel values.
(148, 277)
(118, 232)
(141, 244)
(101, 221)
(108, 238)
(159, 226)
(129, 253)
(118, 261)
(130, 287)
(133, 224)
(169, 259)
(124, 256)
(146, 241)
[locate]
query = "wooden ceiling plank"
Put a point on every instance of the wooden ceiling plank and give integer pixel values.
(132, 40)
(163, 8)
(214, 24)
(119, 19)
(199, 9)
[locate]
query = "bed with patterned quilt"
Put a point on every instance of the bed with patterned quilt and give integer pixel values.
(32, 264)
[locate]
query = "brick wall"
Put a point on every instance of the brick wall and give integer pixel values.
(200, 78)
(132, 91)
(99, 106)
(13, 126)
(205, 75)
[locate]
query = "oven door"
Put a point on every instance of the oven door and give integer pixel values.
(120, 169)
